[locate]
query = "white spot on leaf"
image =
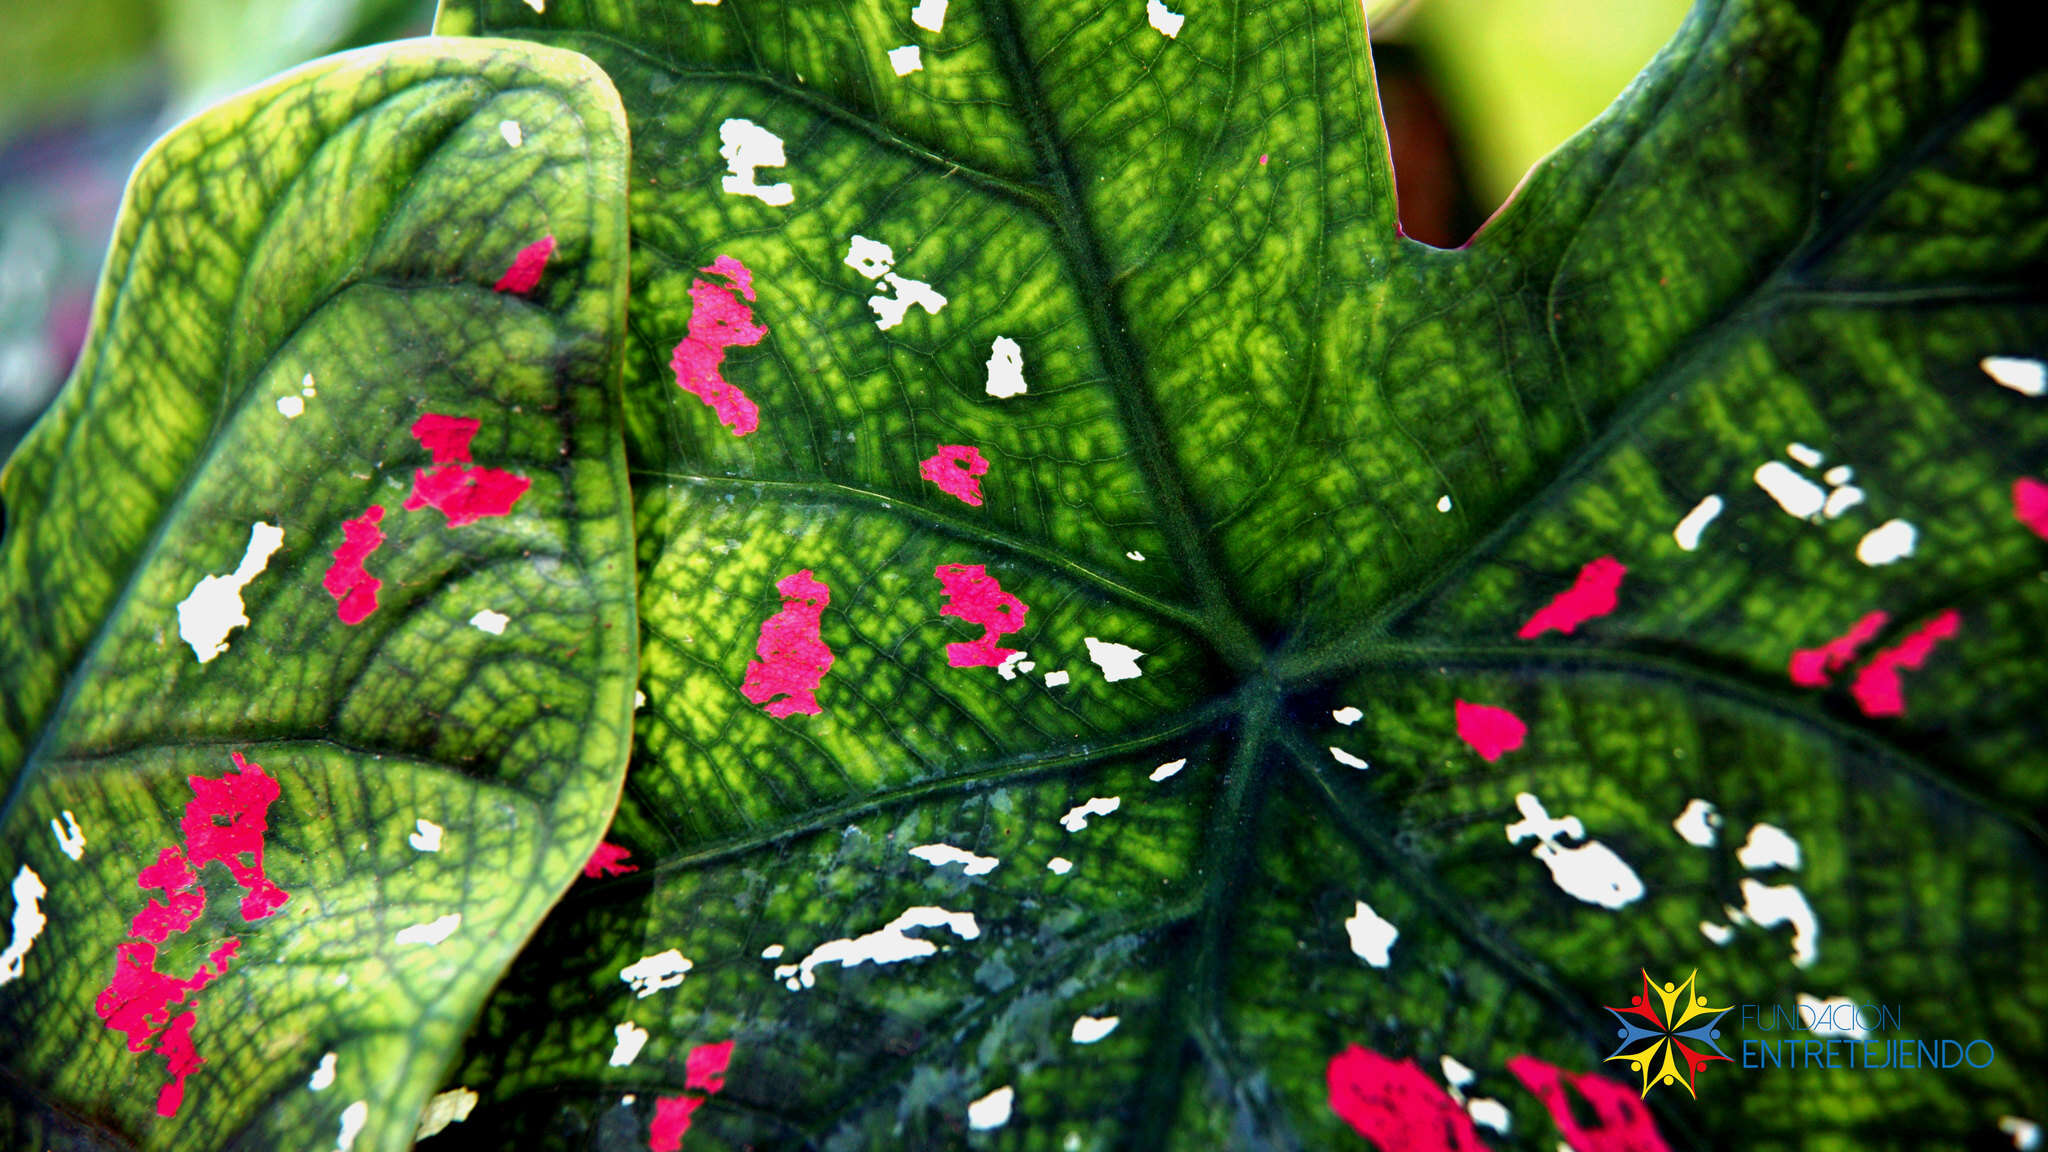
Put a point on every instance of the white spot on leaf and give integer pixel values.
(291, 407)
(1591, 871)
(1117, 661)
(992, 1110)
(1167, 770)
(1347, 759)
(1797, 495)
(1059, 865)
(489, 621)
(1077, 816)
(940, 855)
(1006, 372)
(1457, 1075)
(450, 1107)
(509, 129)
(1443, 502)
(1372, 935)
(1811, 457)
(323, 1076)
(1768, 846)
(357, 1114)
(627, 1040)
(906, 59)
(1489, 1113)
(1771, 906)
(430, 933)
(70, 838)
(1840, 500)
(890, 310)
(772, 952)
(426, 835)
(1699, 824)
(2026, 1135)
(1089, 1029)
(1718, 934)
(2024, 376)
(1887, 543)
(871, 258)
(214, 608)
(890, 944)
(28, 923)
(747, 146)
(929, 15)
(1056, 679)
(1163, 19)
(1347, 716)
(1703, 513)
(651, 974)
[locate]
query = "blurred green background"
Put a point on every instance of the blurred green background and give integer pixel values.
(1474, 91)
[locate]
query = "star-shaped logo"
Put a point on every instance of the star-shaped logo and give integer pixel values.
(1668, 1032)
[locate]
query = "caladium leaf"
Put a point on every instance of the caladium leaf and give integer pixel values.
(317, 659)
(1390, 617)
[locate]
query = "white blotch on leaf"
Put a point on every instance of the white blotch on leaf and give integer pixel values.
(1840, 500)
(1167, 770)
(1089, 1029)
(1059, 865)
(1117, 661)
(1771, 906)
(489, 621)
(890, 310)
(1443, 502)
(1136, 555)
(1797, 495)
(2026, 1135)
(1347, 716)
(747, 146)
(214, 608)
(426, 836)
(1839, 474)
(1372, 935)
(323, 1076)
(890, 944)
(70, 837)
(356, 1115)
(651, 974)
(871, 258)
(907, 59)
(2024, 376)
(1591, 871)
(537, 5)
(1768, 846)
(1006, 371)
(509, 129)
(1703, 513)
(430, 933)
(1489, 1113)
(992, 1110)
(1056, 679)
(940, 855)
(1717, 934)
(1347, 759)
(1077, 816)
(1456, 1075)
(1888, 543)
(929, 15)
(1699, 824)
(28, 923)
(291, 407)
(1811, 457)
(1014, 663)
(772, 952)
(1164, 20)
(306, 388)
(450, 1107)
(627, 1040)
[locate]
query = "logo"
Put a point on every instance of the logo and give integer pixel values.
(1668, 1046)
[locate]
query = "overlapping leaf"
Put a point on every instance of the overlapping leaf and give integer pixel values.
(299, 277)
(1323, 478)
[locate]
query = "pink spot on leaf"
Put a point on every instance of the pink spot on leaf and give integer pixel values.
(1396, 1106)
(157, 921)
(1814, 667)
(794, 659)
(608, 860)
(1492, 732)
(2030, 504)
(705, 1069)
(978, 598)
(461, 493)
(524, 274)
(671, 1121)
(1877, 689)
(956, 469)
(346, 579)
(719, 320)
(1591, 595)
(1621, 1121)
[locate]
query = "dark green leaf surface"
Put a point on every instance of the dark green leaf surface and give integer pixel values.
(1354, 468)
(326, 245)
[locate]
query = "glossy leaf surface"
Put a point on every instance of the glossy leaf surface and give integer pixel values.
(301, 286)
(1316, 474)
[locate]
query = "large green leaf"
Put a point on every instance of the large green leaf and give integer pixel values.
(299, 277)
(1307, 468)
